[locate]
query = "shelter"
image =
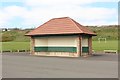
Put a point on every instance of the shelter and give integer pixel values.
(61, 37)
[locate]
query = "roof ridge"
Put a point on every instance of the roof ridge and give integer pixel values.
(46, 23)
(61, 17)
(88, 30)
(75, 24)
(40, 26)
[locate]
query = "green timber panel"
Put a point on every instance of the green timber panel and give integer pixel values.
(85, 49)
(55, 49)
(38, 49)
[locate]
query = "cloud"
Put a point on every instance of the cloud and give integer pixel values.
(14, 10)
(38, 16)
(10, 12)
(99, 23)
(36, 12)
(4, 18)
(65, 2)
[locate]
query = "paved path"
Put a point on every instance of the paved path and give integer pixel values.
(25, 66)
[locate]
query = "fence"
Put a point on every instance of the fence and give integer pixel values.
(2, 51)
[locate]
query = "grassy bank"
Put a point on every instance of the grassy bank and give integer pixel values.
(108, 32)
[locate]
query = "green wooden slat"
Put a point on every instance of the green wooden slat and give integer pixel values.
(55, 49)
(38, 49)
(85, 49)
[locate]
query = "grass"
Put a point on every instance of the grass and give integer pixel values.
(15, 45)
(109, 45)
(108, 32)
(15, 36)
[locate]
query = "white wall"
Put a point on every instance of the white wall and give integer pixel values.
(41, 41)
(84, 42)
(61, 41)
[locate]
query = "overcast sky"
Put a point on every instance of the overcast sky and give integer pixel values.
(32, 13)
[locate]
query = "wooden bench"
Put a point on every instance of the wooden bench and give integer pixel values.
(110, 51)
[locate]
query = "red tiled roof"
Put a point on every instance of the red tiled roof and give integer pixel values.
(64, 25)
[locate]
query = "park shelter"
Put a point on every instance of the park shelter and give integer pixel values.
(61, 37)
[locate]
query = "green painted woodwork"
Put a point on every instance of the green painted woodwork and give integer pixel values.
(62, 35)
(54, 35)
(55, 49)
(40, 49)
(85, 49)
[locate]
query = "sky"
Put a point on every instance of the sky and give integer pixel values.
(33, 13)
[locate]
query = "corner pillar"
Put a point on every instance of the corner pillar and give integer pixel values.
(90, 45)
(32, 45)
(79, 48)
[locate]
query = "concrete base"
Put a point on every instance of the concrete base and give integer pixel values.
(60, 54)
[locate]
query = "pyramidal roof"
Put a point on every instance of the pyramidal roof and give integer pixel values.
(64, 25)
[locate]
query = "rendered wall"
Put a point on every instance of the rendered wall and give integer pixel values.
(85, 47)
(62, 41)
(56, 46)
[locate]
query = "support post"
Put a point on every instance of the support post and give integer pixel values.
(32, 44)
(90, 45)
(79, 49)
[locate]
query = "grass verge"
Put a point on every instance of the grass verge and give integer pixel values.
(109, 45)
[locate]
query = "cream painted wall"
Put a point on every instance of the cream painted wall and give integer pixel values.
(62, 41)
(41, 41)
(65, 41)
(85, 42)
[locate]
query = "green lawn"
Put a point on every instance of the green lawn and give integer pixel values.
(109, 45)
(113, 45)
(15, 45)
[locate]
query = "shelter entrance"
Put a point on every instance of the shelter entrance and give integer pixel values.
(85, 46)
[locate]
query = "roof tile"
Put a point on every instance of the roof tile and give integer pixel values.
(64, 25)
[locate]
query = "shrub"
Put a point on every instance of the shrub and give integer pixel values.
(6, 37)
